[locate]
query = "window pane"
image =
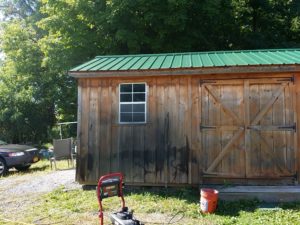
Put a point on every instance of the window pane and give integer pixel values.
(126, 108)
(126, 97)
(138, 117)
(138, 97)
(126, 117)
(126, 87)
(139, 87)
(139, 108)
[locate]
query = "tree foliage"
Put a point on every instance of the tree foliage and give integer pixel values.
(43, 39)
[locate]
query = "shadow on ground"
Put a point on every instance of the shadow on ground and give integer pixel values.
(234, 208)
(30, 170)
(192, 195)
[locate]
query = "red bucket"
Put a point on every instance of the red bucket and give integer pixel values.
(208, 200)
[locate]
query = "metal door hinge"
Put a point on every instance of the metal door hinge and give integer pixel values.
(290, 127)
(291, 79)
(204, 127)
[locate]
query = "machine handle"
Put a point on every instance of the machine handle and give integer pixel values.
(108, 182)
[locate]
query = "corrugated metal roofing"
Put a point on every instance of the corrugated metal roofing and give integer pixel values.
(191, 60)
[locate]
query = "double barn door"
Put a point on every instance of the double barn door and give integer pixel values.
(248, 128)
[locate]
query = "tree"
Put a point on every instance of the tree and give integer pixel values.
(26, 106)
(43, 39)
(267, 23)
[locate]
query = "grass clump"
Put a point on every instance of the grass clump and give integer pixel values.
(42, 166)
(154, 205)
(81, 207)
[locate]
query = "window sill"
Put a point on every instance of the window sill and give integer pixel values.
(131, 124)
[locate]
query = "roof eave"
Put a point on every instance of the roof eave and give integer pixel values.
(189, 71)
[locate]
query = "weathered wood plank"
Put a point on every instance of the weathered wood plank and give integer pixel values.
(297, 118)
(294, 151)
(247, 138)
(288, 158)
(265, 118)
(150, 134)
(184, 145)
(225, 108)
(126, 151)
(232, 96)
(237, 156)
(214, 117)
(166, 132)
(196, 150)
(189, 121)
(279, 140)
(272, 157)
(204, 121)
(254, 152)
(173, 99)
(162, 130)
(79, 128)
(138, 153)
(228, 99)
(109, 137)
(94, 132)
(114, 92)
(268, 105)
(115, 131)
(105, 126)
(225, 150)
(84, 132)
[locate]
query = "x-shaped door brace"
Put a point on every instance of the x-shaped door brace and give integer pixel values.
(242, 128)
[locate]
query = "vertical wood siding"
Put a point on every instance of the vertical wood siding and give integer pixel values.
(171, 148)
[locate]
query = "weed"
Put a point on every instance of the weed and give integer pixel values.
(151, 205)
(160, 204)
(43, 166)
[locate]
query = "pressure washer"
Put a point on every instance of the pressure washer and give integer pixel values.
(111, 185)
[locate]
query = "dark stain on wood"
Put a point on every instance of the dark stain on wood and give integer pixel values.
(90, 162)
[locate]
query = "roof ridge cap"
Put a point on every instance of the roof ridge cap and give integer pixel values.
(200, 52)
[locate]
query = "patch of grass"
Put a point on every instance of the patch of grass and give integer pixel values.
(156, 206)
(47, 145)
(248, 212)
(76, 206)
(166, 201)
(42, 166)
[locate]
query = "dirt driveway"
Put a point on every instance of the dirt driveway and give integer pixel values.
(22, 194)
(18, 193)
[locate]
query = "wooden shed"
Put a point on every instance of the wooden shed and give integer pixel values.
(190, 118)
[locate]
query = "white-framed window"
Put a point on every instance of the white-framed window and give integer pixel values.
(133, 103)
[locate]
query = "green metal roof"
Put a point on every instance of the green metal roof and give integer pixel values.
(190, 60)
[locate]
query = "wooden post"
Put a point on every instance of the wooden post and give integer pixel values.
(297, 114)
(60, 131)
(247, 123)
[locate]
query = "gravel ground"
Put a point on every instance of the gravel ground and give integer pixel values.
(32, 183)
(20, 192)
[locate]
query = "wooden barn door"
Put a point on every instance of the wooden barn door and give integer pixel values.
(248, 128)
(270, 133)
